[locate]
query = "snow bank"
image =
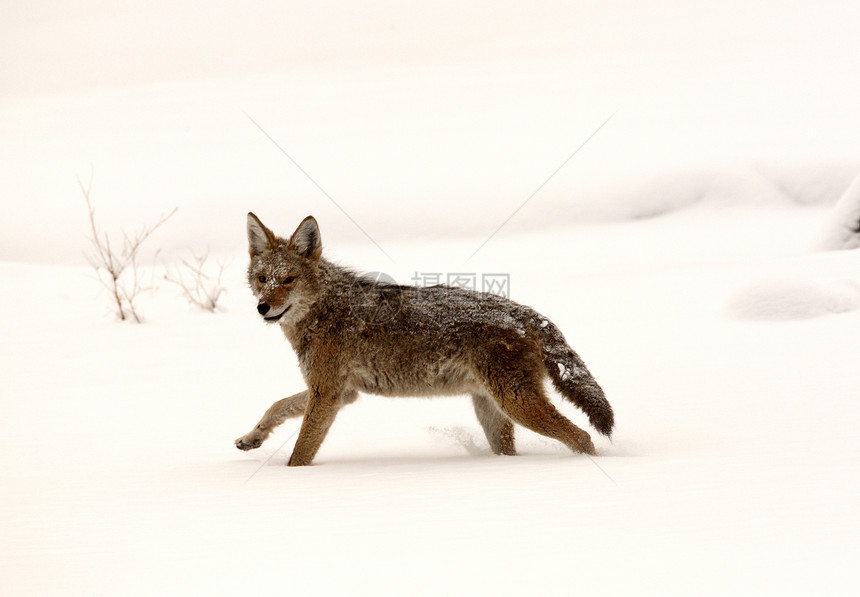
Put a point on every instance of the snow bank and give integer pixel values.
(781, 300)
(417, 123)
(719, 184)
(842, 229)
(795, 286)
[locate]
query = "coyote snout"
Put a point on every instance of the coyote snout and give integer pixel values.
(272, 315)
(438, 340)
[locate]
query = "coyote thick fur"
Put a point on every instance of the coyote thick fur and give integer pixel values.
(354, 334)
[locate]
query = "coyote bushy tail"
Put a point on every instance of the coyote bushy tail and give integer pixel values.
(572, 379)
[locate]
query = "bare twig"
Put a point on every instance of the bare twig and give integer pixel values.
(118, 271)
(198, 287)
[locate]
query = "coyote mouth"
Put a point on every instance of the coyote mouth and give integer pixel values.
(274, 318)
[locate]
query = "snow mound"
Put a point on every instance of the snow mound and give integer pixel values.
(842, 230)
(785, 300)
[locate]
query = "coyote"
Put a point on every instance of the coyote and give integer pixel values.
(354, 334)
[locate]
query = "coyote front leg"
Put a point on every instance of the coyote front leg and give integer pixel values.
(280, 411)
(320, 412)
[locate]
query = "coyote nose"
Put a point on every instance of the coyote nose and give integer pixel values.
(263, 308)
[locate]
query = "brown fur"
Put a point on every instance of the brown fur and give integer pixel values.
(354, 335)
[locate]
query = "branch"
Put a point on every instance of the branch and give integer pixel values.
(110, 266)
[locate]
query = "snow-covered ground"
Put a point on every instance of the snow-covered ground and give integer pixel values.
(675, 250)
(733, 468)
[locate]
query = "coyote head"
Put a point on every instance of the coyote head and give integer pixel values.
(283, 273)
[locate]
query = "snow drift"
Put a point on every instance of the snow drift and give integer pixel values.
(842, 229)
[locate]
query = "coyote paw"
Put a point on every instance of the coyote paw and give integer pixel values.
(248, 442)
(586, 446)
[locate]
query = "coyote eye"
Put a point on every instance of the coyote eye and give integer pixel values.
(289, 279)
(262, 279)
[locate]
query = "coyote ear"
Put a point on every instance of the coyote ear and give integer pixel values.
(260, 238)
(306, 239)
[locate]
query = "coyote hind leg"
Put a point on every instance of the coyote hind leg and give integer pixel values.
(533, 410)
(280, 411)
(497, 427)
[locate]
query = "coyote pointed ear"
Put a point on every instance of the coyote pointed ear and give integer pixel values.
(260, 238)
(306, 239)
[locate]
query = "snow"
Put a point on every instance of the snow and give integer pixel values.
(672, 251)
(562, 371)
(842, 229)
(733, 464)
(794, 299)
